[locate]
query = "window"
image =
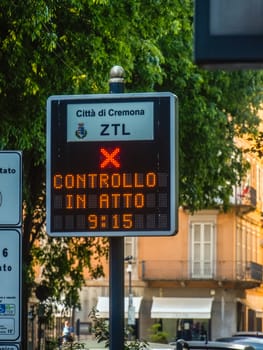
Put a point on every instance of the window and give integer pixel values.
(248, 240)
(131, 249)
(202, 249)
(130, 246)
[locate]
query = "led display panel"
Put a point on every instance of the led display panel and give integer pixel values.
(112, 165)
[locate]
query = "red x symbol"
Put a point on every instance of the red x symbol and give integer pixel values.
(110, 158)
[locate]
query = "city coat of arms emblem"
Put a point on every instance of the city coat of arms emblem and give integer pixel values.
(81, 132)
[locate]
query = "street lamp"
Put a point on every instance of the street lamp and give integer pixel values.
(31, 317)
(131, 308)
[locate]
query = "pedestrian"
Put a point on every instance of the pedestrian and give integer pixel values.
(67, 333)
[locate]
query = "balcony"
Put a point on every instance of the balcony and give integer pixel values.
(244, 197)
(227, 272)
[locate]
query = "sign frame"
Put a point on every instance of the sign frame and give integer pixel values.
(10, 346)
(99, 100)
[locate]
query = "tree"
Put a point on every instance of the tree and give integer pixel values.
(68, 46)
(214, 108)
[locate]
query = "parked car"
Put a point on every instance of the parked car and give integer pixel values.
(257, 343)
(209, 345)
(253, 334)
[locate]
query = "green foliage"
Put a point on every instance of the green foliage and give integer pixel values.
(102, 334)
(100, 328)
(256, 143)
(73, 346)
(68, 47)
(52, 344)
(136, 345)
(157, 335)
(64, 261)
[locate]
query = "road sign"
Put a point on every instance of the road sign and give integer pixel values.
(10, 188)
(9, 346)
(228, 34)
(112, 165)
(10, 287)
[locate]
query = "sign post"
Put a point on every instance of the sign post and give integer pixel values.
(10, 249)
(112, 165)
(112, 171)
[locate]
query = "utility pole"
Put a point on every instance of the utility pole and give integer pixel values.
(116, 84)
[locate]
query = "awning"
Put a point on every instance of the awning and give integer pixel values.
(104, 302)
(181, 307)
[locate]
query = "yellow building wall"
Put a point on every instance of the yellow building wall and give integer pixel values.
(166, 248)
(177, 248)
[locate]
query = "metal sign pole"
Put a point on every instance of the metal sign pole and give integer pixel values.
(116, 293)
(116, 254)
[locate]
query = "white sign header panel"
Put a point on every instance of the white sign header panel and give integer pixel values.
(126, 121)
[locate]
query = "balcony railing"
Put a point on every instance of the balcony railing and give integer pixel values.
(244, 196)
(178, 270)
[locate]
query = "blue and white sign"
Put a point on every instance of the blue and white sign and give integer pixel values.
(10, 188)
(10, 287)
(126, 121)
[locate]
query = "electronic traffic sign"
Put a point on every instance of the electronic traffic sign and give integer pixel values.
(112, 165)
